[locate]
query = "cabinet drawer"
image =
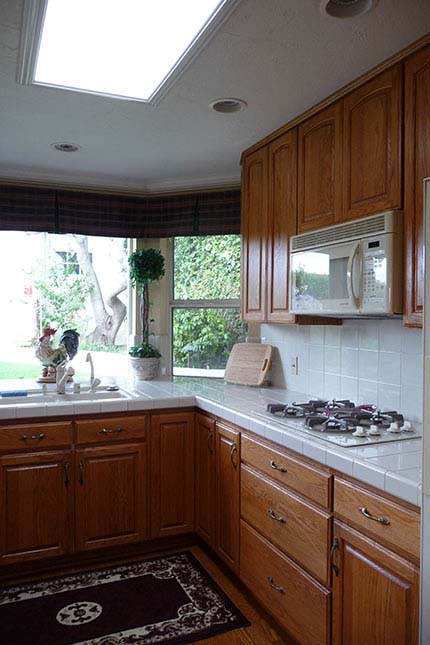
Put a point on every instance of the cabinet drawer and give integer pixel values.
(306, 480)
(297, 601)
(110, 429)
(390, 522)
(299, 529)
(35, 436)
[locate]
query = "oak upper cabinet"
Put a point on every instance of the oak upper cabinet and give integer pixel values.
(205, 479)
(282, 223)
(36, 506)
(227, 494)
(375, 592)
(254, 233)
(111, 495)
(372, 146)
(319, 169)
(172, 474)
(417, 168)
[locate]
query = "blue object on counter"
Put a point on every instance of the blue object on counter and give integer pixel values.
(14, 393)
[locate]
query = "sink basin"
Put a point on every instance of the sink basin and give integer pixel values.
(37, 396)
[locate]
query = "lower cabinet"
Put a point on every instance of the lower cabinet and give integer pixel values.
(375, 592)
(227, 494)
(111, 494)
(172, 474)
(36, 506)
(297, 601)
(218, 487)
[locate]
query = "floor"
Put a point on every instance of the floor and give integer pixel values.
(262, 630)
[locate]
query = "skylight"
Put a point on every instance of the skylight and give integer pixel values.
(126, 48)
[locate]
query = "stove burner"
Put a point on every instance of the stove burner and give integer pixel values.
(338, 415)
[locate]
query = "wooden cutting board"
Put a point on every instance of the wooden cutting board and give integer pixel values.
(248, 364)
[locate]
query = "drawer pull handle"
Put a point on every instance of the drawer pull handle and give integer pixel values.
(334, 547)
(81, 473)
(33, 437)
(274, 586)
(211, 442)
(233, 450)
(278, 518)
(66, 473)
(111, 431)
(281, 469)
(375, 518)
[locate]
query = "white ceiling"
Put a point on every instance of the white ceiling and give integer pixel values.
(281, 56)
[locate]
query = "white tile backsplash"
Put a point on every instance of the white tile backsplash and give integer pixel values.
(365, 360)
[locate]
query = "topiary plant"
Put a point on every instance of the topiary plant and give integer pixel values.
(146, 266)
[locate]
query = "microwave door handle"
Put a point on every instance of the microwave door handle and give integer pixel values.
(350, 276)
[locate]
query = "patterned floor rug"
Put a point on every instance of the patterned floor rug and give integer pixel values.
(169, 600)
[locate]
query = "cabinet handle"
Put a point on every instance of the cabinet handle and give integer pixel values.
(233, 450)
(81, 473)
(281, 469)
(66, 473)
(334, 547)
(210, 442)
(274, 586)
(278, 518)
(375, 518)
(34, 437)
(111, 431)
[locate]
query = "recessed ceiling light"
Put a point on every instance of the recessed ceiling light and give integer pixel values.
(348, 8)
(228, 105)
(65, 146)
(129, 49)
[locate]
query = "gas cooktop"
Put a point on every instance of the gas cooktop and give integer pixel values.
(342, 422)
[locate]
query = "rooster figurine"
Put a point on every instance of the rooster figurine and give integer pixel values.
(50, 356)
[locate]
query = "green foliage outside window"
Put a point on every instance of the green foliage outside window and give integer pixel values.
(206, 268)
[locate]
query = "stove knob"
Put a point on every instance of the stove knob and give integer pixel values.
(360, 432)
(407, 427)
(394, 427)
(374, 431)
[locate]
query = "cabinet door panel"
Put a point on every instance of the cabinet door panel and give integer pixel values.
(172, 478)
(319, 170)
(282, 223)
(417, 168)
(36, 496)
(205, 478)
(110, 496)
(375, 595)
(227, 498)
(372, 125)
(254, 233)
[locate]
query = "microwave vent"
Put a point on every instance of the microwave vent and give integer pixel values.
(368, 227)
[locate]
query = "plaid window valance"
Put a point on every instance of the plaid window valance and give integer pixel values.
(30, 208)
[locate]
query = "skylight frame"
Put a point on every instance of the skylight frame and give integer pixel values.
(31, 31)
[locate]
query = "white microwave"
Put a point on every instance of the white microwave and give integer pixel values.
(351, 269)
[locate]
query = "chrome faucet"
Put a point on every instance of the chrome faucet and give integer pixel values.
(89, 359)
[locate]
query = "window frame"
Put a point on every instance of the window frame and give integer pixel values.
(205, 303)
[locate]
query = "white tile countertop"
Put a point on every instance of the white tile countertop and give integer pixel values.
(394, 467)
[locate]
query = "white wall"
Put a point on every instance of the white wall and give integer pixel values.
(367, 361)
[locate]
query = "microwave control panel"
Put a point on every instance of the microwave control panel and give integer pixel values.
(374, 275)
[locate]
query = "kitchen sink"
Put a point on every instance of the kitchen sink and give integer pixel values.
(37, 396)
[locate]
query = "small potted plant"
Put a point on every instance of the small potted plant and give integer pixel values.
(146, 266)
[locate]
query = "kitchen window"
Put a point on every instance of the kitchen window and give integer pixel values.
(205, 311)
(63, 281)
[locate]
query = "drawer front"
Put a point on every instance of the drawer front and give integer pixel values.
(297, 528)
(35, 436)
(380, 518)
(107, 430)
(306, 480)
(299, 603)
